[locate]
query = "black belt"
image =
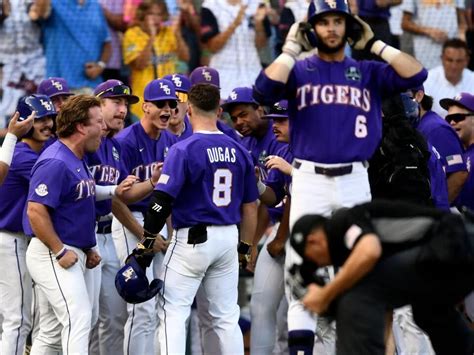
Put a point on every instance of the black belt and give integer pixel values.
(332, 172)
(104, 227)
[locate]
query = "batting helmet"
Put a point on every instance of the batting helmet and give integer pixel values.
(42, 104)
(317, 8)
(132, 284)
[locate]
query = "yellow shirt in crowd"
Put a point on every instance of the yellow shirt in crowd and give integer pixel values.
(134, 41)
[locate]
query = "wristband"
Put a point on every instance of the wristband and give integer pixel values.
(152, 184)
(243, 248)
(7, 149)
(384, 51)
(61, 253)
(101, 64)
(261, 187)
(104, 192)
(286, 59)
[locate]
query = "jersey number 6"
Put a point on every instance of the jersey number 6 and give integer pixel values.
(360, 126)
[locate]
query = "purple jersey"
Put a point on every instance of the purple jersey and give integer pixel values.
(63, 183)
(209, 175)
(188, 129)
(140, 154)
(106, 168)
(335, 107)
(466, 197)
(261, 148)
(442, 136)
(14, 191)
(439, 185)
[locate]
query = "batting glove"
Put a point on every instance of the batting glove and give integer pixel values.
(297, 40)
(366, 36)
(244, 254)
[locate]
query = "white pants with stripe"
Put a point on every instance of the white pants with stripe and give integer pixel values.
(66, 292)
(213, 263)
(139, 330)
(15, 293)
(313, 193)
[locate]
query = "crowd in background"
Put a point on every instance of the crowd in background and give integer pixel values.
(88, 41)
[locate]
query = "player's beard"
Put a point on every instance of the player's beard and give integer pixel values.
(322, 47)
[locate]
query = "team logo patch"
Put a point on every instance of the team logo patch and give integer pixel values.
(207, 76)
(353, 73)
(233, 96)
(331, 3)
(165, 88)
(165, 152)
(41, 190)
(57, 84)
(177, 81)
(262, 158)
(115, 154)
(351, 236)
(454, 159)
(46, 104)
(129, 274)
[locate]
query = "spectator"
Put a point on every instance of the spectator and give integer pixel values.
(113, 12)
(432, 23)
(76, 41)
(233, 32)
(152, 47)
(190, 24)
(293, 11)
(452, 77)
(21, 55)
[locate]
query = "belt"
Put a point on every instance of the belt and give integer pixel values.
(332, 172)
(104, 227)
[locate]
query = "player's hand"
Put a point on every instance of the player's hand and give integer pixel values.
(19, 129)
(92, 70)
(156, 173)
(296, 41)
(160, 244)
(276, 162)
(125, 185)
(365, 36)
(93, 259)
(68, 259)
(252, 261)
(276, 248)
(436, 35)
(316, 300)
(240, 16)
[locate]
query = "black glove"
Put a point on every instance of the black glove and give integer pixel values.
(301, 275)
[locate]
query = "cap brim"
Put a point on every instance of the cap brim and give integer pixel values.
(65, 93)
(161, 98)
(132, 99)
(226, 105)
(447, 103)
(274, 115)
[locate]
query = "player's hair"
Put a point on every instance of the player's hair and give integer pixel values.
(205, 97)
(145, 7)
(75, 110)
(426, 102)
(456, 43)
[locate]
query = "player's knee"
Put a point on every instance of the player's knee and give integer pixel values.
(301, 342)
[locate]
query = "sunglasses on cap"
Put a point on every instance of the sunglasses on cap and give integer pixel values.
(458, 117)
(171, 103)
(116, 90)
(182, 96)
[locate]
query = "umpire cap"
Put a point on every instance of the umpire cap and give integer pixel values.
(301, 230)
(132, 284)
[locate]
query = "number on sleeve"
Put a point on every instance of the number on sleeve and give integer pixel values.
(221, 194)
(361, 126)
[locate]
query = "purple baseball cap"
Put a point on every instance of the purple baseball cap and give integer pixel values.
(205, 75)
(54, 87)
(463, 99)
(241, 95)
(418, 88)
(115, 88)
(159, 90)
(278, 110)
(180, 81)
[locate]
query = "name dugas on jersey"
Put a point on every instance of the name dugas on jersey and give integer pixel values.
(221, 154)
(309, 95)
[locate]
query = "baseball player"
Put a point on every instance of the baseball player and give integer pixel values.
(208, 183)
(268, 288)
(16, 129)
(56, 89)
(143, 146)
(179, 123)
(334, 104)
(61, 215)
(15, 284)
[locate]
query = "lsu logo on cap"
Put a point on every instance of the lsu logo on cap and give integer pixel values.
(207, 76)
(233, 96)
(165, 88)
(177, 81)
(57, 84)
(46, 104)
(331, 3)
(41, 190)
(128, 274)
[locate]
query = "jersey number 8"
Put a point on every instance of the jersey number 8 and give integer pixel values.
(221, 194)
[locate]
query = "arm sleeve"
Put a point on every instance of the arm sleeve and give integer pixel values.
(45, 187)
(209, 26)
(389, 82)
(159, 209)
(449, 147)
(174, 172)
(267, 91)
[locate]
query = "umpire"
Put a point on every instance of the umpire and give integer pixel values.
(391, 254)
